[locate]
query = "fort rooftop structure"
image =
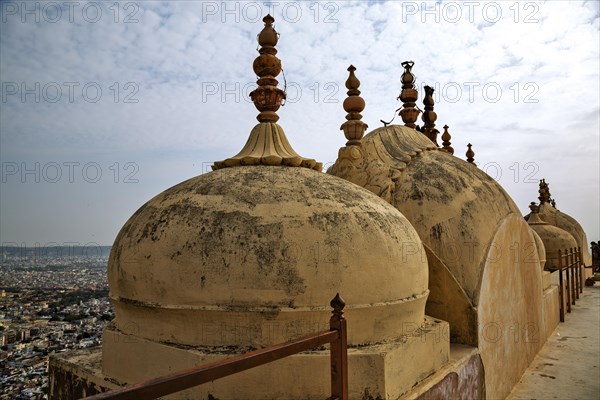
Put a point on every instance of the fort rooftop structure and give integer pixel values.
(420, 243)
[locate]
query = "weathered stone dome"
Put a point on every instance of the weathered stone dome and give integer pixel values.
(569, 224)
(541, 249)
(554, 239)
(252, 255)
(454, 206)
(478, 246)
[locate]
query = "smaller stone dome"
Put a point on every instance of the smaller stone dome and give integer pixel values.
(553, 238)
(569, 224)
(541, 249)
(549, 213)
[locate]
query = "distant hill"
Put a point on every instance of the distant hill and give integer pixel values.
(89, 250)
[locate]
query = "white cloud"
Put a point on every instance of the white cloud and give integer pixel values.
(189, 65)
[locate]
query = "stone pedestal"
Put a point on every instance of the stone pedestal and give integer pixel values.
(384, 370)
(380, 371)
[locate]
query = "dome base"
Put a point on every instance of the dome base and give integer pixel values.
(379, 370)
(261, 327)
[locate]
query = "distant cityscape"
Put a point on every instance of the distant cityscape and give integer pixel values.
(52, 299)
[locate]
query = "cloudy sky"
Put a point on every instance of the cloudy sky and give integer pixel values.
(106, 104)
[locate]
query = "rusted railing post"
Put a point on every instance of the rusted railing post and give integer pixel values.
(339, 352)
(575, 276)
(577, 269)
(186, 379)
(572, 270)
(581, 269)
(572, 267)
(577, 272)
(561, 288)
(567, 280)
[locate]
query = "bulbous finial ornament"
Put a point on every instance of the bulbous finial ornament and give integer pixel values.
(409, 96)
(268, 37)
(407, 76)
(267, 144)
(267, 97)
(352, 83)
(470, 154)
(534, 217)
(429, 116)
(533, 207)
(446, 141)
(353, 128)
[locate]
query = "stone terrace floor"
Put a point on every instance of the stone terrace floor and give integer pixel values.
(568, 366)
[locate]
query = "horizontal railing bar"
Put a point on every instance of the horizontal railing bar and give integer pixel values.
(181, 380)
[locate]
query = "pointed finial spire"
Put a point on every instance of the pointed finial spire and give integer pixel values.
(267, 97)
(446, 141)
(429, 116)
(544, 196)
(409, 96)
(470, 154)
(338, 304)
(267, 144)
(353, 128)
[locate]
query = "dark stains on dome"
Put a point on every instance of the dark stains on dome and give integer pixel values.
(325, 221)
(436, 231)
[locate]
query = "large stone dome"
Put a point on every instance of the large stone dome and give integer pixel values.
(478, 245)
(252, 255)
(455, 207)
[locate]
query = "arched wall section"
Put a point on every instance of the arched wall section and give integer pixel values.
(510, 310)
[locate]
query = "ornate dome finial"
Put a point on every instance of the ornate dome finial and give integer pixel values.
(267, 97)
(550, 199)
(268, 36)
(544, 196)
(409, 96)
(446, 141)
(547, 195)
(353, 128)
(534, 217)
(429, 116)
(533, 207)
(470, 154)
(267, 144)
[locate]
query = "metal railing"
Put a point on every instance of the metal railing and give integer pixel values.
(569, 261)
(181, 380)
